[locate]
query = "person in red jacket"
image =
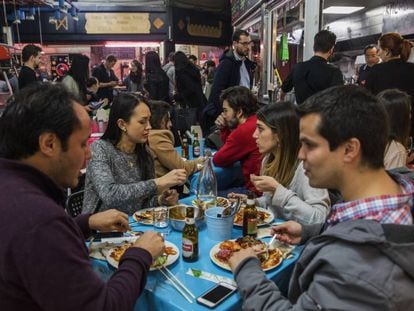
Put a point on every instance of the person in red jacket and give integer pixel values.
(237, 124)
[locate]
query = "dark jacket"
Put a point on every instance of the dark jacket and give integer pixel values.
(26, 76)
(157, 85)
(393, 74)
(44, 262)
(101, 74)
(226, 75)
(188, 84)
(311, 77)
(354, 265)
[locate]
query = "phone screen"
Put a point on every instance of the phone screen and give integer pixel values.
(217, 293)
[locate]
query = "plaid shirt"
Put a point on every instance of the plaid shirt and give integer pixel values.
(394, 209)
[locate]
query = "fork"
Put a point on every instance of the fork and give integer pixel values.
(266, 251)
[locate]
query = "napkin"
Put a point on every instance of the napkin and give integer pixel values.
(210, 276)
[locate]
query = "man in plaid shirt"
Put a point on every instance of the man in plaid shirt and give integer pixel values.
(361, 258)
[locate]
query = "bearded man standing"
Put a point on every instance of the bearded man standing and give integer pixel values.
(235, 68)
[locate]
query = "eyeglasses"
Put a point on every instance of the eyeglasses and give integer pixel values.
(245, 43)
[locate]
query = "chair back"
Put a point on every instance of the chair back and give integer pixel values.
(74, 203)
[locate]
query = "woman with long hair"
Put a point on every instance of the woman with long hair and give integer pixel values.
(285, 187)
(156, 80)
(188, 85)
(120, 174)
(133, 81)
(397, 104)
(161, 141)
(77, 76)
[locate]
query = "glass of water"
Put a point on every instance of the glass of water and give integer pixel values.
(160, 217)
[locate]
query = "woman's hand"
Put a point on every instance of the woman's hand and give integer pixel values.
(110, 220)
(264, 183)
(171, 179)
(168, 197)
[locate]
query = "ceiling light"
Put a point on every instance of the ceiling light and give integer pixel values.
(342, 9)
(131, 44)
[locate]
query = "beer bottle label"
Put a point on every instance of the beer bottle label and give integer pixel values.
(189, 220)
(251, 226)
(188, 247)
(196, 151)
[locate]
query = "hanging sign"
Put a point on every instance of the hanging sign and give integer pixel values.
(111, 23)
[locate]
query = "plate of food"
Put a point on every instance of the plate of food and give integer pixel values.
(170, 255)
(220, 202)
(143, 216)
(264, 217)
(221, 252)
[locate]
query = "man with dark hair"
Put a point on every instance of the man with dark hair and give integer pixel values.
(107, 78)
(44, 262)
(237, 124)
(192, 58)
(31, 57)
(234, 69)
(316, 74)
(169, 69)
(360, 259)
(371, 59)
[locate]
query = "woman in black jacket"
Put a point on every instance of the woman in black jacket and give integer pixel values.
(394, 72)
(156, 80)
(188, 85)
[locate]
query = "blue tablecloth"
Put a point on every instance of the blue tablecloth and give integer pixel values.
(227, 177)
(159, 294)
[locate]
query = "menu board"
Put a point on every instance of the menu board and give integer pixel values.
(239, 7)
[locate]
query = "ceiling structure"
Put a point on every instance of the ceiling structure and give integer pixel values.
(367, 4)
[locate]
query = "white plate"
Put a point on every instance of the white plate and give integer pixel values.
(215, 249)
(143, 221)
(266, 221)
(170, 259)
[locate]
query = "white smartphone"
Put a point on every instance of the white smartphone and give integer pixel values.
(216, 295)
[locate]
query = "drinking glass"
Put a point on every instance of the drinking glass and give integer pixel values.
(160, 217)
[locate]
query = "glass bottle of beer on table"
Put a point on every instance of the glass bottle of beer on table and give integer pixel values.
(196, 146)
(190, 237)
(250, 216)
(185, 148)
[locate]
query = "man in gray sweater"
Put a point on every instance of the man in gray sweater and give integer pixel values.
(360, 259)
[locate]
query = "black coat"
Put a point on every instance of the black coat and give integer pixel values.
(394, 74)
(157, 85)
(227, 74)
(188, 85)
(311, 77)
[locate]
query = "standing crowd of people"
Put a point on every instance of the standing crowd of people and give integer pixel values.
(343, 138)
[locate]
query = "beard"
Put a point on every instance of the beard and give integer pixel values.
(241, 52)
(233, 123)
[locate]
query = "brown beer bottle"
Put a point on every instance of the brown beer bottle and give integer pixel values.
(250, 216)
(196, 146)
(184, 148)
(190, 237)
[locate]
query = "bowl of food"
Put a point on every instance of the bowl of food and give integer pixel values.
(177, 215)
